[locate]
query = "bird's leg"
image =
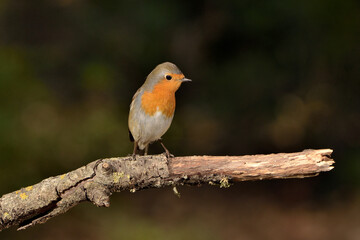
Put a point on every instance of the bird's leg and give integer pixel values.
(146, 150)
(134, 151)
(168, 154)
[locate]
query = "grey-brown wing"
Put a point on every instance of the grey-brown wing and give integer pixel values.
(131, 106)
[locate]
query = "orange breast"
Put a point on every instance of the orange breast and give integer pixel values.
(161, 98)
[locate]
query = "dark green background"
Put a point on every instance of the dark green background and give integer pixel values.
(268, 76)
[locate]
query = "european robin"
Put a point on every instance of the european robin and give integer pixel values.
(153, 106)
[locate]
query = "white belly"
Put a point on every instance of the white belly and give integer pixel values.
(151, 128)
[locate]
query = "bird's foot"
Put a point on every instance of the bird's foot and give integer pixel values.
(133, 156)
(168, 154)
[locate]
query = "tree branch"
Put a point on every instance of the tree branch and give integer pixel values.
(96, 181)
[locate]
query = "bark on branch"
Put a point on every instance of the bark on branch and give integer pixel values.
(96, 181)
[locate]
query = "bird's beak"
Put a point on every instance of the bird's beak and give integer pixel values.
(186, 80)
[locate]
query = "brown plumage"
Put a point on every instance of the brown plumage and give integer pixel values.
(153, 106)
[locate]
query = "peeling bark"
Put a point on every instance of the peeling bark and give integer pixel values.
(96, 181)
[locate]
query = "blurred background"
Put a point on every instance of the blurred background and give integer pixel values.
(268, 76)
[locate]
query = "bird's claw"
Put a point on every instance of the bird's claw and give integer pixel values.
(133, 156)
(168, 154)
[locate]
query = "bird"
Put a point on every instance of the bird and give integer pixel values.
(153, 105)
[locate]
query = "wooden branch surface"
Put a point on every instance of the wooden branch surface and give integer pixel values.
(96, 181)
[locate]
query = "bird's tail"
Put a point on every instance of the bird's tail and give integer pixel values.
(131, 136)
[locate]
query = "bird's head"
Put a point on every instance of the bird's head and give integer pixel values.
(168, 75)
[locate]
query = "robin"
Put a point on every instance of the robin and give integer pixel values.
(153, 106)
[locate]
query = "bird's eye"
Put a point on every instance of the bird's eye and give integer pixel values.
(168, 77)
